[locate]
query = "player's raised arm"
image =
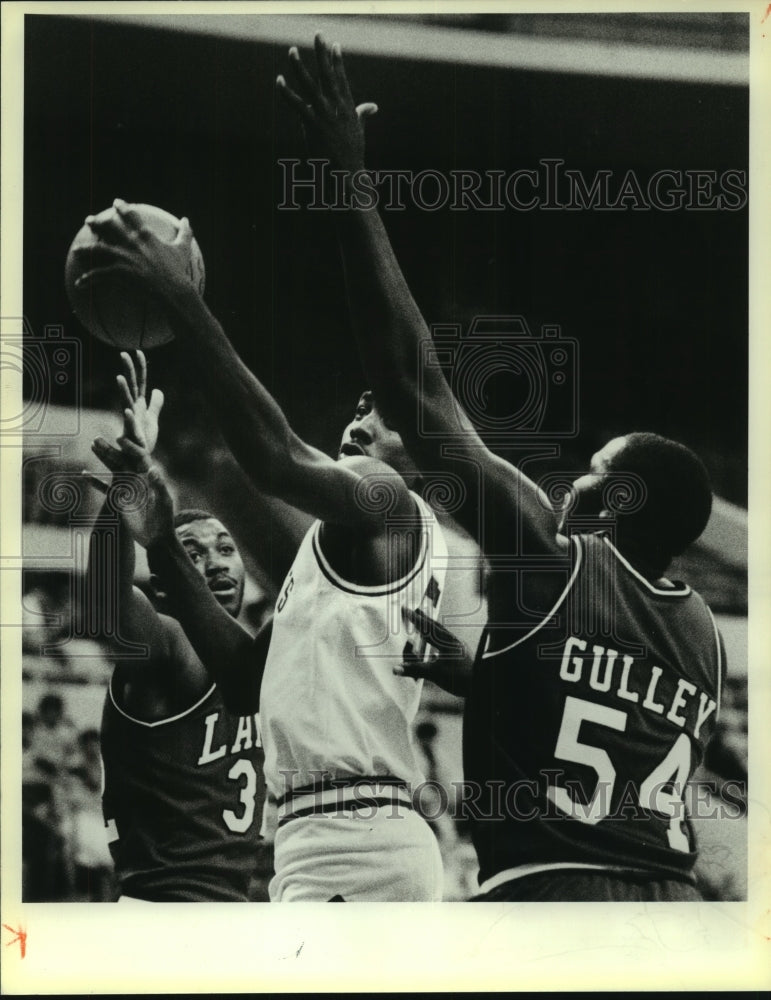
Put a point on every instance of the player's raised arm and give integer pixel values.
(278, 462)
(115, 606)
(117, 609)
(231, 657)
(390, 329)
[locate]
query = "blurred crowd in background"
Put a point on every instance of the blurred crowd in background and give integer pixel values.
(65, 851)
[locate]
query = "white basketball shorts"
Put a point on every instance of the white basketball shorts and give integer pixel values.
(376, 854)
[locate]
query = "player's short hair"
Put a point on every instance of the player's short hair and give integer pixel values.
(192, 514)
(181, 517)
(678, 498)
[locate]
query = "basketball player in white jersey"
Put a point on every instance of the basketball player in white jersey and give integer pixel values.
(336, 718)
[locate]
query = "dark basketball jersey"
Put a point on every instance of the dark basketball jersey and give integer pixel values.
(580, 735)
(183, 801)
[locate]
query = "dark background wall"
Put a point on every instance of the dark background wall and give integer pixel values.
(656, 300)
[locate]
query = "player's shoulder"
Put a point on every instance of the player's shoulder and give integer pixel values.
(367, 465)
(380, 488)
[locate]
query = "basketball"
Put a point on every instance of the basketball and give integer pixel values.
(117, 309)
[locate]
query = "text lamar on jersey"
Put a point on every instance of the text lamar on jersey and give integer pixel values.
(247, 736)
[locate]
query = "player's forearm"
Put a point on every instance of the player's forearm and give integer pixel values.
(225, 649)
(109, 576)
(278, 462)
(453, 676)
(455, 680)
(251, 421)
(388, 325)
(392, 337)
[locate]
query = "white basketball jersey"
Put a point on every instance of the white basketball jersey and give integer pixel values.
(331, 706)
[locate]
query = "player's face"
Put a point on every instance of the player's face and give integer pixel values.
(368, 434)
(214, 554)
(589, 490)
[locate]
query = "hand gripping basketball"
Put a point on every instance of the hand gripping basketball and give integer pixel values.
(126, 267)
(138, 250)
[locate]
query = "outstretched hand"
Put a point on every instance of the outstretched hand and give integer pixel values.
(137, 490)
(452, 665)
(140, 418)
(325, 106)
(136, 252)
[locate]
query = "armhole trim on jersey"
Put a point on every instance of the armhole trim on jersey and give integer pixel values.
(158, 722)
(550, 615)
(719, 661)
(683, 591)
(379, 590)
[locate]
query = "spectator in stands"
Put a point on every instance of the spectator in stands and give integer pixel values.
(44, 875)
(89, 861)
(54, 737)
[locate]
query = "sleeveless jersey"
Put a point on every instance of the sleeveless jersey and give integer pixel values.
(331, 706)
(183, 801)
(582, 733)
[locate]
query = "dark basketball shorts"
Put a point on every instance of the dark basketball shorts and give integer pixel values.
(590, 887)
